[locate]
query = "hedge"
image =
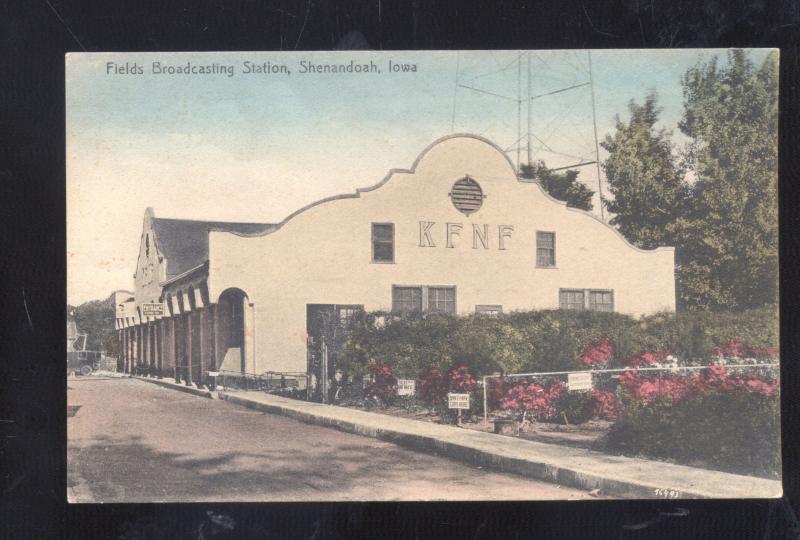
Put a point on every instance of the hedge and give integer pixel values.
(710, 430)
(546, 340)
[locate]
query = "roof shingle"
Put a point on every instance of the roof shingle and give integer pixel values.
(184, 242)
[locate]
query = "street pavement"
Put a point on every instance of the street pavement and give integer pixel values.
(131, 441)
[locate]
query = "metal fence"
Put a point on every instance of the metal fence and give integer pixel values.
(290, 384)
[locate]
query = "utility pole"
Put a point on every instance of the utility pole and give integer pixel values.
(455, 92)
(519, 108)
(528, 55)
(596, 144)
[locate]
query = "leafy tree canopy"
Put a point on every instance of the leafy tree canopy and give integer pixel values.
(648, 187)
(96, 319)
(723, 222)
(730, 238)
(563, 186)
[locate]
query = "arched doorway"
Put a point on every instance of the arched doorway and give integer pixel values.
(232, 351)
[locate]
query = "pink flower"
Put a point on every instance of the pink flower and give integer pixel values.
(461, 380)
(533, 398)
(733, 348)
(605, 405)
(384, 384)
(598, 352)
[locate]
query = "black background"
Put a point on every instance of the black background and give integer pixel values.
(34, 35)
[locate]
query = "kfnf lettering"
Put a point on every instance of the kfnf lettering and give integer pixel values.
(482, 237)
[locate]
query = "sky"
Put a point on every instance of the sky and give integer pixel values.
(256, 147)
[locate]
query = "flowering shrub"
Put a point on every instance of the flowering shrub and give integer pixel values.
(432, 388)
(605, 405)
(597, 353)
(735, 348)
(678, 387)
(734, 431)
(461, 380)
(384, 384)
(534, 398)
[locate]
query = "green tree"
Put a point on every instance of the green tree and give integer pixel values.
(647, 184)
(729, 238)
(96, 319)
(562, 186)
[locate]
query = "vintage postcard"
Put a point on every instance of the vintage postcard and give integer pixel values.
(427, 275)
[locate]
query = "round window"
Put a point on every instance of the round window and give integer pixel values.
(467, 195)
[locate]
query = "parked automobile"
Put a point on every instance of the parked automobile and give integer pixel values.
(83, 362)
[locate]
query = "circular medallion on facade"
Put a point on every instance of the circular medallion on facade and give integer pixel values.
(467, 195)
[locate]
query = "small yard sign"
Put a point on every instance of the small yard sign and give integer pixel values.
(458, 401)
(406, 387)
(154, 309)
(579, 381)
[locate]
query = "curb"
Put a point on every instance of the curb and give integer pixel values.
(617, 476)
(180, 387)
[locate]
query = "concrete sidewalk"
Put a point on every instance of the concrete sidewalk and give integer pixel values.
(181, 387)
(616, 476)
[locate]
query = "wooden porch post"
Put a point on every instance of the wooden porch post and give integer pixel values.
(163, 328)
(188, 355)
(146, 354)
(156, 349)
(176, 327)
(214, 337)
(135, 348)
(201, 316)
(123, 350)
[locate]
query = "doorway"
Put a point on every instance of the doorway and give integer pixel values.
(325, 327)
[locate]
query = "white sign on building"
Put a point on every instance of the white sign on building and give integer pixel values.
(153, 309)
(458, 401)
(406, 387)
(579, 381)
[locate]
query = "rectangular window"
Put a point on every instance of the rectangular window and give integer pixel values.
(488, 311)
(442, 300)
(383, 242)
(545, 249)
(570, 299)
(591, 299)
(601, 301)
(406, 299)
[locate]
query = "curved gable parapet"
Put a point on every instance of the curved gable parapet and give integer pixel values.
(382, 182)
(413, 169)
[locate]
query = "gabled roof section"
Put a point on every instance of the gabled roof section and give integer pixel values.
(184, 242)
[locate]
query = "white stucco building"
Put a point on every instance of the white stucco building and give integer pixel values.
(457, 232)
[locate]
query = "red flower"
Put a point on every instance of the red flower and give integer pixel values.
(431, 386)
(678, 387)
(762, 353)
(599, 352)
(461, 380)
(533, 398)
(733, 348)
(384, 384)
(605, 405)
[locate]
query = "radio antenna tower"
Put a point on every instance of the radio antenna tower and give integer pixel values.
(527, 98)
